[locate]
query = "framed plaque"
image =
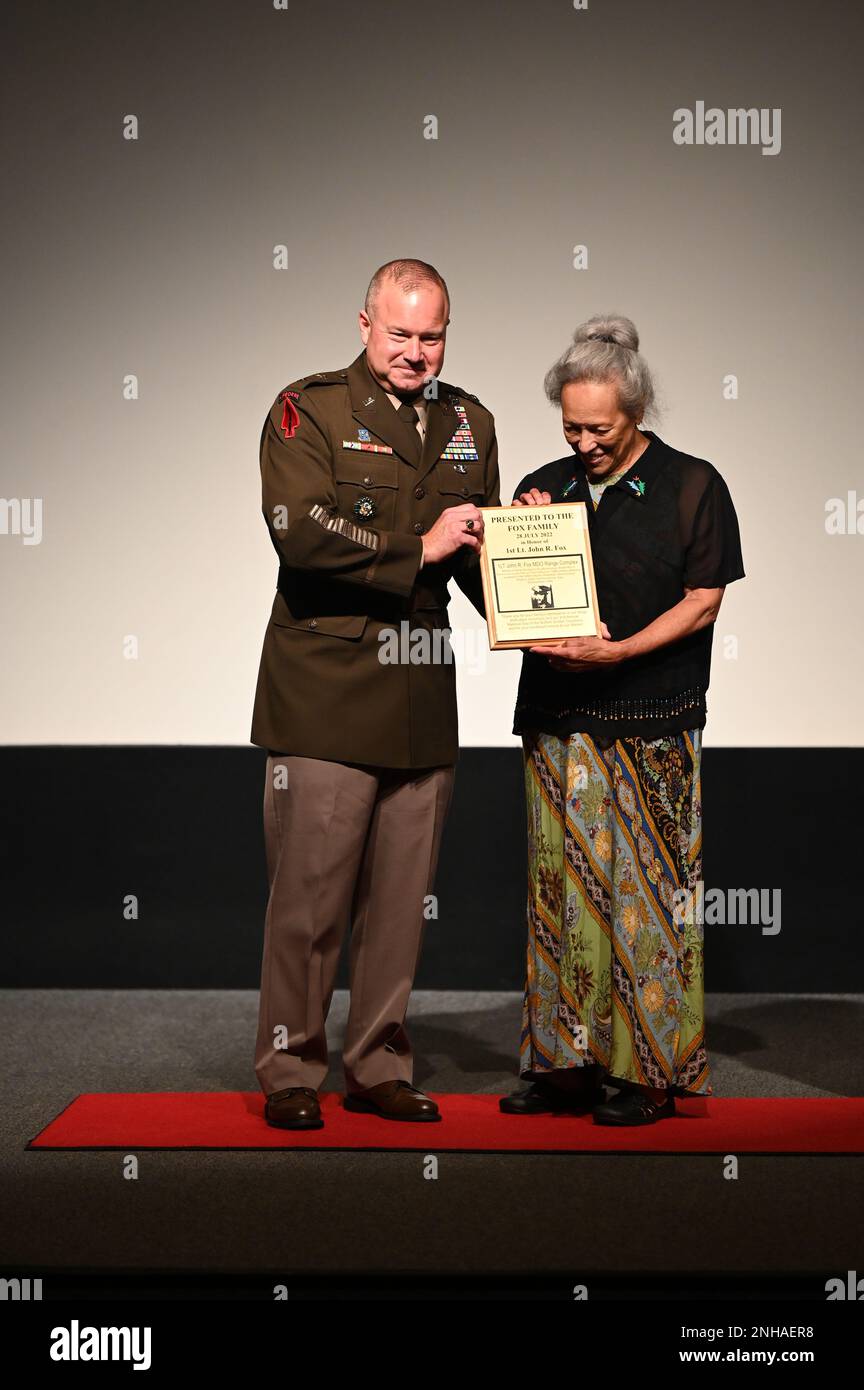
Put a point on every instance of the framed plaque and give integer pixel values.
(538, 578)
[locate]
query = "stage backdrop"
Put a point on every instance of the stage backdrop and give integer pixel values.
(197, 196)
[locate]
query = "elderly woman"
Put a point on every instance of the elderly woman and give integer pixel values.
(612, 737)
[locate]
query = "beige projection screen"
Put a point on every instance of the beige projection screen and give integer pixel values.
(196, 197)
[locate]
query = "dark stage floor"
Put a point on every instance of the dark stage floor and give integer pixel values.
(227, 1218)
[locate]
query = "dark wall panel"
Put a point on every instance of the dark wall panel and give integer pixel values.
(180, 827)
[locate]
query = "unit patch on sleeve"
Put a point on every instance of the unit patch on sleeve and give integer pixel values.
(290, 415)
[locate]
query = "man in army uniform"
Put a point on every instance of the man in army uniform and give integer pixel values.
(372, 480)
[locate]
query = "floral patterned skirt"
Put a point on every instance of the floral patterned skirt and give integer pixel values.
(615, 959)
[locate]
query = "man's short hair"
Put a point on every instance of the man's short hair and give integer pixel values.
(409, 275)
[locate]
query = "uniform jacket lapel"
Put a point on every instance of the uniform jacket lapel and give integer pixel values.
(441, 425)
(371, 408)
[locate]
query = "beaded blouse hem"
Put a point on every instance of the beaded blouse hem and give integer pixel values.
(649, 717)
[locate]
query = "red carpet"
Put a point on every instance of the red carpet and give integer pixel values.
(471, 1123)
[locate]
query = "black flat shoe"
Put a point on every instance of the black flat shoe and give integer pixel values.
(634, 1108)
(537, 1099)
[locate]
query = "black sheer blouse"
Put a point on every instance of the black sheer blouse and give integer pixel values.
(669, 522)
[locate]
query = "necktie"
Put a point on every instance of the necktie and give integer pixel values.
(407, 413)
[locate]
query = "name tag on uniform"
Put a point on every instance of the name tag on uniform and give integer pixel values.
(366, 448)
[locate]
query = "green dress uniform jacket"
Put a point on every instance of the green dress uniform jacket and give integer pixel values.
(347, 493)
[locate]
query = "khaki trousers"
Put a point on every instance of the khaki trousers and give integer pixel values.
(344, 843)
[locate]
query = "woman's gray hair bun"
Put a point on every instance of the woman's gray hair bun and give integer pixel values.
(606, 348)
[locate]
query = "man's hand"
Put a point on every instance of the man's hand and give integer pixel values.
(451, 531)
(582, 653)
(534, 498)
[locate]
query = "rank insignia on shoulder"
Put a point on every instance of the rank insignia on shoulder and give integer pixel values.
(364, 507)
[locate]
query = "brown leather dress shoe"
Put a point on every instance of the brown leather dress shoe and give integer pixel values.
(394, 1100)
(294, 1108)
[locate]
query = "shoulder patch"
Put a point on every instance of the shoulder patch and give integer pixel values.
(290, 415)
(294, 391)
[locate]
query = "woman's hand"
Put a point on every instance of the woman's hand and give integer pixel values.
(582, 653)
(534, 498)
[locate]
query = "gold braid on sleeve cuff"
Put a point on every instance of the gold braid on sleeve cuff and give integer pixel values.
(358, 534)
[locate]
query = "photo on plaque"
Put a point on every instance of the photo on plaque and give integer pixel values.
(538, 578)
